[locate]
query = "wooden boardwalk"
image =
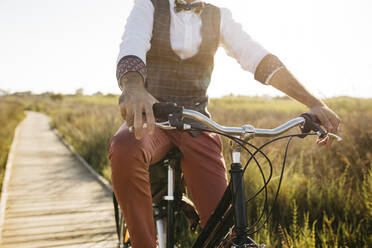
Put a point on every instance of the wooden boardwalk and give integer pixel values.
(52, 200)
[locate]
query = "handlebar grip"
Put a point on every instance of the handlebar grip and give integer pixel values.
(311, 117)
(162, 110)
(312, 123)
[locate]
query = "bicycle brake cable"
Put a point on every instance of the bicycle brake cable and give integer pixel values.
(281, 177)
(259, 150)
(277, 191)
(282, 172)
(239, 141)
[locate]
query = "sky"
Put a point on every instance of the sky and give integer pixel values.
(60, 46)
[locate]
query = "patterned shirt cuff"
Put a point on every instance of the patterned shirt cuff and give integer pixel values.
(130, 63)
(268, 66)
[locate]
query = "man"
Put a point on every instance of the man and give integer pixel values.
(167, 55)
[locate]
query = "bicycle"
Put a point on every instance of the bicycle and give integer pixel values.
(227, 226)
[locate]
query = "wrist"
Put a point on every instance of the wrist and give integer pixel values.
(132, 87)
(314, 102)
(131, 81)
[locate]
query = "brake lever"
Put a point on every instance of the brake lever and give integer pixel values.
(131, 128)
(334, 136)
(163, 125)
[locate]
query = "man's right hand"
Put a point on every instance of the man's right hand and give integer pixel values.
(136, 101)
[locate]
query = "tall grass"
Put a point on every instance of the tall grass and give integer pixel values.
(11, 113)
(325, 197)
(326, 194)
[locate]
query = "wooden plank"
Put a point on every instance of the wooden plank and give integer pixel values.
(52, 200)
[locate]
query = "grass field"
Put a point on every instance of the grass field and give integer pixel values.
(11, 113)
(326, 196)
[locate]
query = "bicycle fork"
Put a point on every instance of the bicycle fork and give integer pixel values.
(238, 201)
(165, 226)
(161, 230)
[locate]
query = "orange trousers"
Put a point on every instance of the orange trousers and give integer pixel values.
(202, 164)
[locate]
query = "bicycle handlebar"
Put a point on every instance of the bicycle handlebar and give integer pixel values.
(245, 129)
(171, 116)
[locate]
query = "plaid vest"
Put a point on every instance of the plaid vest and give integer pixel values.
(170, 79)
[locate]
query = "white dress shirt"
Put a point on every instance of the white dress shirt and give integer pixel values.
(185, 35)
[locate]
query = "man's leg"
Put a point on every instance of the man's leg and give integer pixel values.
(204, 170)
(130, 159)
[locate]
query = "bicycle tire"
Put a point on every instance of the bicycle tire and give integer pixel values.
(121, 227)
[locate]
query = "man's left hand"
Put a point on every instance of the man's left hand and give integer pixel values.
(329, 120)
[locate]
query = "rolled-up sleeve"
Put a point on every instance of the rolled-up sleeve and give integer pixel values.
(239, 44)
(138, 31)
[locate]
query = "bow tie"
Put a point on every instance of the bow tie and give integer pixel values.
(196, 7)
